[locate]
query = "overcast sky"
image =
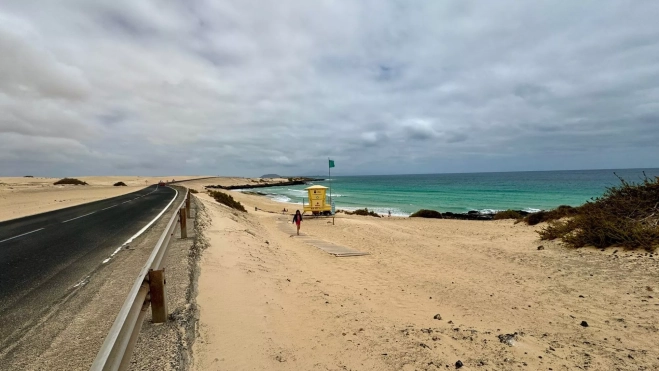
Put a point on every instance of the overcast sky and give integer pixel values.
(248, 87)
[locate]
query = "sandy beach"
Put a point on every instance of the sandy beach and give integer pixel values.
(271, 300)
(20, 196)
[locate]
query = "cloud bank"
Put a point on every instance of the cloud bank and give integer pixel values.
(250, 87)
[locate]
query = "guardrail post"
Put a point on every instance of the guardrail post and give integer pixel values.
(187, 205)
(184, 222)
(158, 295)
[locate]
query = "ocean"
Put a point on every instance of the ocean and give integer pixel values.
(460, 193)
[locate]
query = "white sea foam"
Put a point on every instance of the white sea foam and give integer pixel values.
(280, 198)
(379, 210)
(531, 210)
(488, 211)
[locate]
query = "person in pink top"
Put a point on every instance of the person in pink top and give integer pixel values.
(297, 219)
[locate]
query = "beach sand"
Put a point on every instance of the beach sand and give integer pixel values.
(21, 196)
(272, 301)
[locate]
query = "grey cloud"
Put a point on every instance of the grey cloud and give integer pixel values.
(419, 130)
(27, 68)
(251, 87)
(456, 137)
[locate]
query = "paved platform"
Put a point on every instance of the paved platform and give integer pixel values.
(328, 247)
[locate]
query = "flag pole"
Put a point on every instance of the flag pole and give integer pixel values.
(329, 174)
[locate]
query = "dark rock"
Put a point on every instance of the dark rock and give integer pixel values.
(423, 213)
(584, 323)
(422, 345)
(581, 296)
(541, 247)
(437, 316)
(252, 186)
(458, 364)
(508, 339)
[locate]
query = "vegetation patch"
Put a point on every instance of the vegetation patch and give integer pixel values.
(28, 176)
(507, 214)
(227, 200)
(626, 215)
(560, 212)
(120, 184)
(362, 212)
(193, 190)
(70, 181)
(423, 213)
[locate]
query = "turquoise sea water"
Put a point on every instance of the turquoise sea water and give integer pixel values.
(405, 194)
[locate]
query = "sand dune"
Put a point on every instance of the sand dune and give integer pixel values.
(272, 301)
(21, 196)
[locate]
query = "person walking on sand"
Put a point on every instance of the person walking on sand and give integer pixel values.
(297, 219)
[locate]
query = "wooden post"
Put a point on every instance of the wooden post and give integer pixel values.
(187, 205)
(184, 222)
(158, 296)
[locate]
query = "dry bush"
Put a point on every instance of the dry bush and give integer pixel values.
(71, 181)
(362, 212)
(560, 212)
(119, 184)
(626, 215)
(507, 214)
(226, 199)
(192, 190)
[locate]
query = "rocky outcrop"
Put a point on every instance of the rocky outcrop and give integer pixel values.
(259, 185)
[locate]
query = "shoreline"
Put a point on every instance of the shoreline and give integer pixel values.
(469, 215)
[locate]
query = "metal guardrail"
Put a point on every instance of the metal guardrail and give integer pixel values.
(117, 349)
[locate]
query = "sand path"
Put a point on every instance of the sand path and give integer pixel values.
(272, 301)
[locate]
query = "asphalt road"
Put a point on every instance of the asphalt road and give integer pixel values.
(44, 258)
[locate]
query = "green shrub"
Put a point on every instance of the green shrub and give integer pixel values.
(626, 215)
(71, 181)
(120, 184)
(423, 213)
(226, 199)
(507, 214)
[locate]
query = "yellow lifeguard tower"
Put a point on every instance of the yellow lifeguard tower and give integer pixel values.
(318, 203)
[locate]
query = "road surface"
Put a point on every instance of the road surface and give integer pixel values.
(46, 258)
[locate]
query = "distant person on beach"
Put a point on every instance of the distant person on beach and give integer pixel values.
(297, 219)
(390, 213)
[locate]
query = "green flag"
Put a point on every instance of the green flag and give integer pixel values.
(331, 163)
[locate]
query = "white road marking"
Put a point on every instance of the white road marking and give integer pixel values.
(78, 217)
(129, 200)
(142, 230)
(21, 235)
